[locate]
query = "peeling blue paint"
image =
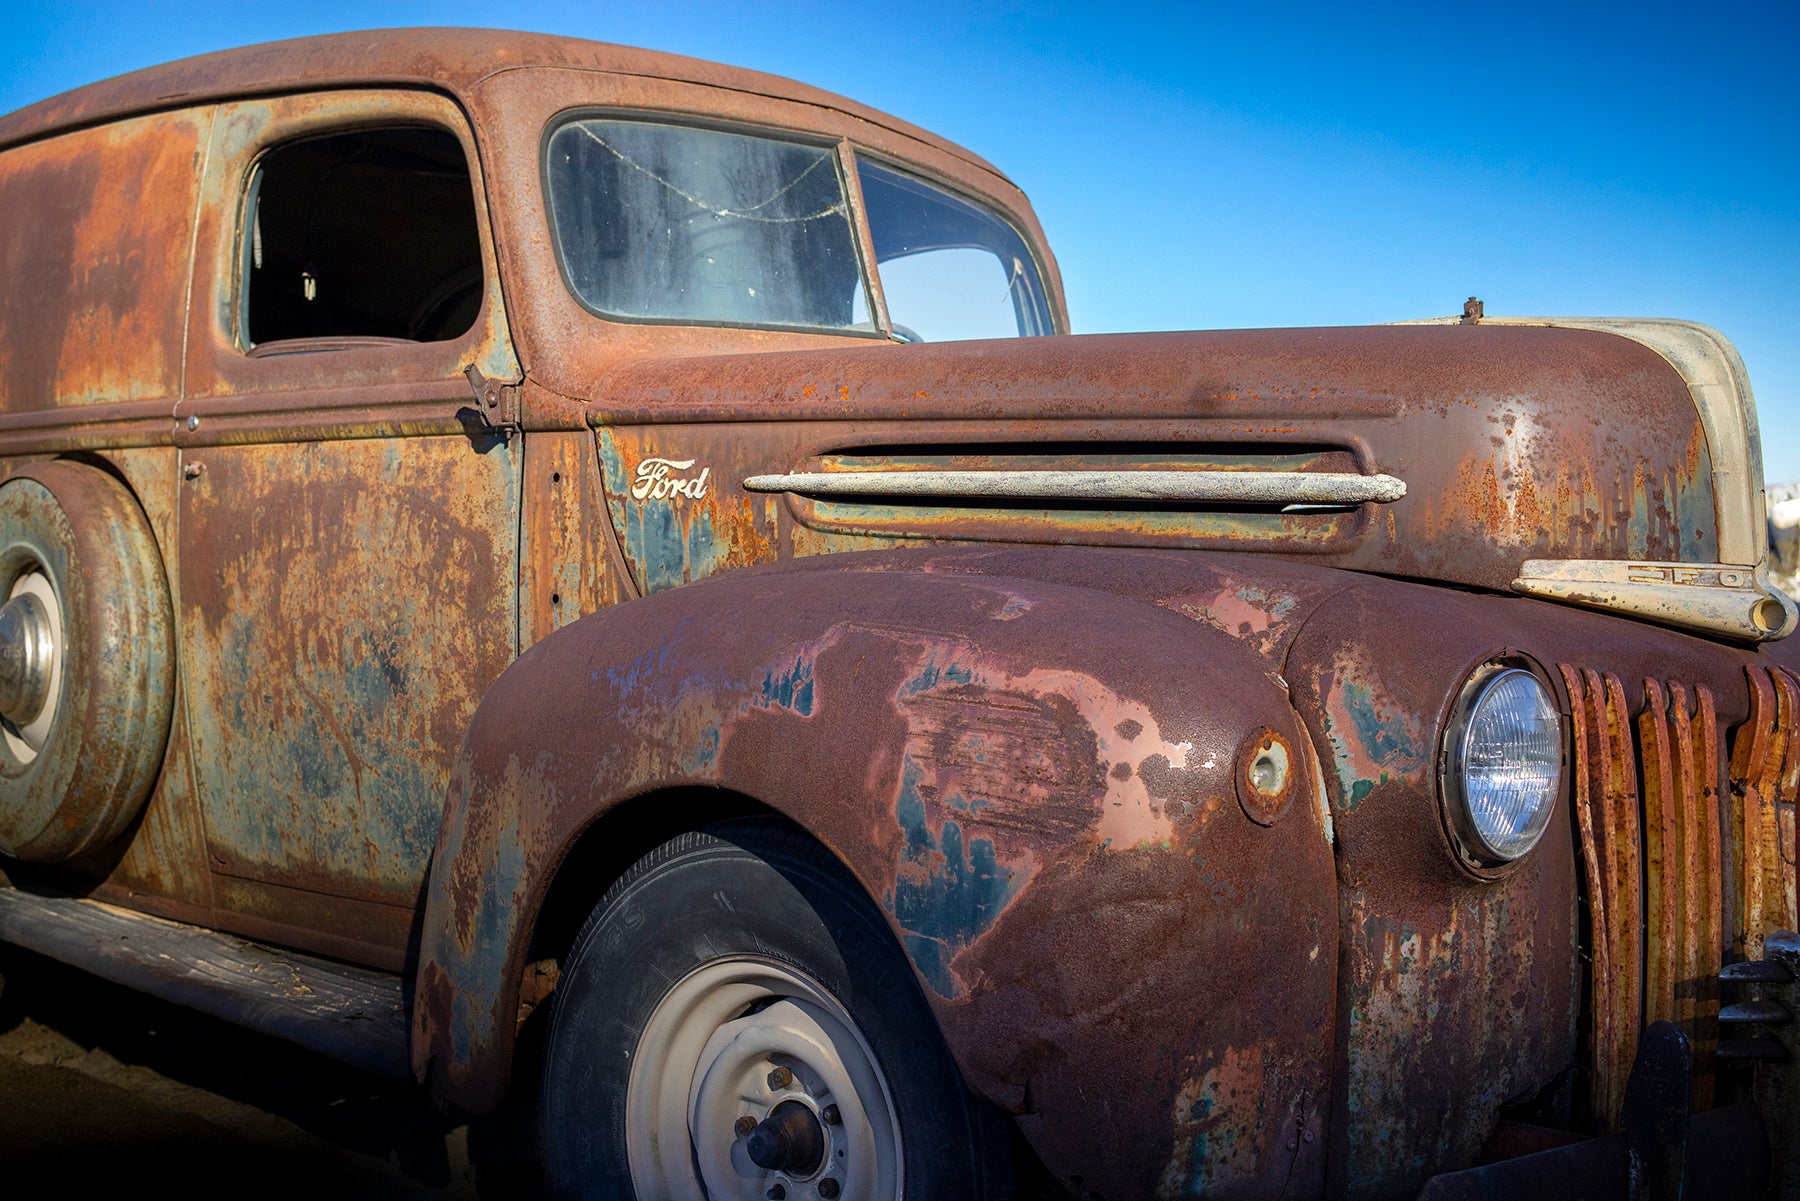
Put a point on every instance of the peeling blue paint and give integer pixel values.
(932, 676)
(702, 757)
(952, 895)
(1383, 741)
(791, 689)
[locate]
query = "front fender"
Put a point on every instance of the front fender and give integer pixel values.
(1037, 783)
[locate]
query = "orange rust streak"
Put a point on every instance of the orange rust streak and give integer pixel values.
(1709, 948)
(1604, 1035)
(1748, 750)
(1622, 820)
(1609, 782)
(1763, 903)
(1662, 849)
(1778, 803)
(1620, 807)
(1691, 914)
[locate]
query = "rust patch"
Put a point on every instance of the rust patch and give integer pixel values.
(106, 251)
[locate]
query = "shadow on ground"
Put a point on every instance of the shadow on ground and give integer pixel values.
(102, 1088)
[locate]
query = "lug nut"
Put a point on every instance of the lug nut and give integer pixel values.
(744, 1126)
(831, 1115)
(828, 1189)
(781, 1078)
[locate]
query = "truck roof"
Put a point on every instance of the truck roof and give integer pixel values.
(450, 60)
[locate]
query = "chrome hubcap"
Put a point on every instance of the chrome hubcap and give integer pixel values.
(30, 664)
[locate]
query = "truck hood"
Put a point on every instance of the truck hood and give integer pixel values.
(1615, 466)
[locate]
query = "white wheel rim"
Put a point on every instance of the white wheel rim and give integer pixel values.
(26, 741)
(703, 1063)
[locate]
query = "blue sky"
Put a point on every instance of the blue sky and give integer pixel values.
(1210, 166)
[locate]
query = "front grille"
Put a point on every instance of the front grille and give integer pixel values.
(1686, 869)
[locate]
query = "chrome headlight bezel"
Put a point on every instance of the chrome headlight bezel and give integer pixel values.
(1474, 850)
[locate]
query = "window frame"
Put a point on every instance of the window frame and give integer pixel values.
(249, 194)
(854, 216)
(1000, 214)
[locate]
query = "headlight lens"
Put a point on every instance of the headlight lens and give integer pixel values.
(1507, 765)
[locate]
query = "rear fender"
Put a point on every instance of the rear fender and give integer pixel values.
(1037, 785)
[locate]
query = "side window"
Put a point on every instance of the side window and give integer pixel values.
(363, 234)
(950, 269)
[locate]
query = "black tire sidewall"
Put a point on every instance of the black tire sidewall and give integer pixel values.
(740, 890)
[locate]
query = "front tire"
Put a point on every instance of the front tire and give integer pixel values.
(735, 1023)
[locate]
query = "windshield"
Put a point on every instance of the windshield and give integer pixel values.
(663, 222)
(949, 270)
(671, 223)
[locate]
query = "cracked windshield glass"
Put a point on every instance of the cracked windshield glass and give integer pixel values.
(659, 222)
(667, 223)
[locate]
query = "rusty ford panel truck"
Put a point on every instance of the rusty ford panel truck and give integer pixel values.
(601, 583)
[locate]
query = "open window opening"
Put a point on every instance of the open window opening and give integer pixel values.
(363, 234)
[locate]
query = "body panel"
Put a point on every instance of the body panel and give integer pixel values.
(1018, 770)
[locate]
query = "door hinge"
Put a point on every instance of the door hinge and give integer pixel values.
(495, 400)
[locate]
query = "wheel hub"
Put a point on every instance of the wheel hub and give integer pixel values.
(751, 1082)
(27, 646)
(31, 665)
(791, 1140)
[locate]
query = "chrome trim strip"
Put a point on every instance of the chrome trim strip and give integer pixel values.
(1235, 487)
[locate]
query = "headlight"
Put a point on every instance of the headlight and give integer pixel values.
(1503, 762)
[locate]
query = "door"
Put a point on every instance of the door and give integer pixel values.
(348, 526)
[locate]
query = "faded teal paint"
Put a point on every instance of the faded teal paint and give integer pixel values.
(946, 894)
(662, 550)
(1276, 605)
(701, 758)
(1366, 748)
(1637, 526)
(491, 920)
(708, 548)
(1382, 741)
(788, 687)
(612, 466)
(932, 675)
(1696, 512)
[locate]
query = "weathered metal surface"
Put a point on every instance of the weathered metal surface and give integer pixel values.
(106, 252)
(453, 60)
(162, 866)
(348, 602)
(384, 389)
(355, 1015)
(1048, 820)
(1097, 484)
(1662, 917)
(570, 561)
(1456, 992)
(1233, 401)
(1606, 808)
(1765, 780)
(1051, 768)
(1708, 598)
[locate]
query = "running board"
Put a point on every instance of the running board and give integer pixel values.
(352, 1014)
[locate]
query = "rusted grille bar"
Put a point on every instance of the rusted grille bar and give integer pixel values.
(1692, 877)
(1765, 776)
(1606, 807)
